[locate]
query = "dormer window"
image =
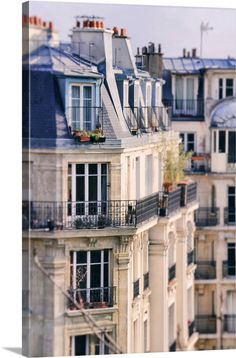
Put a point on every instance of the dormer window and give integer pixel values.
(82, 112)
(185, 93)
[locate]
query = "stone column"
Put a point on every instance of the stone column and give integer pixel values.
(54, 301)
(158, 263)
(124, 295)
(182, 299)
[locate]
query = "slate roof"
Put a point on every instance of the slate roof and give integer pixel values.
(195, 65)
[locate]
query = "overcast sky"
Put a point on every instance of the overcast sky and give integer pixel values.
(174, 27)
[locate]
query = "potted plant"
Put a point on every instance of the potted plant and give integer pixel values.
(79, 223)
(82, 136)
(101, 221)
(174, 165)
(51, 225)
(97, 136)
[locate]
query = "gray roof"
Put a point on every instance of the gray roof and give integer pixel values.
(194, 65)
(46, 58)
(224, 114)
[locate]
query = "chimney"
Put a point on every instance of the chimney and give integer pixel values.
(194, 52)
(116, 31)
(144, 50)
(50, 24)
(155, 62)
(123, 32)
(151, 47)
(184, 52)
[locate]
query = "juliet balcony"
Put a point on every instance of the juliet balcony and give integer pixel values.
(206, 270)
(206, 216)
(185, 108)
(88, 298)
(146, 119)
(205, 324)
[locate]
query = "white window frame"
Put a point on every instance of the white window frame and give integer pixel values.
(86, 175)
(185, 142)
(89, 345)
(81, 107)
(224, 79)
(195, 88)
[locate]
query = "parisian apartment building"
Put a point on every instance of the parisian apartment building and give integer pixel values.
(114, 261)
(202, 96)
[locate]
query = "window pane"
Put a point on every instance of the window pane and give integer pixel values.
(221, 141)
(229, 91)
(69, 169)
(229, 82)
(69, 193)
(214, 141)
(79, 168)
(75, 92)
(104, 168)
(106, 255)
(81, 276)
(96, 256)
(190, 147)
(231, 190)
(80, 188)
(220, 88)
(104, 188)
(190, 137)
(93, 168)
(93, 188)
(95, 275)
(81, 257)
(105, 278)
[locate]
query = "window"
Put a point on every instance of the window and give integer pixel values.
(188, 140)
(87, 188)
(231, 249)
(221, 141)
(185, 95)
(226, 87)
(232, 147)
(88, 345)
(81, 108)
(89, 272)
(214, 141)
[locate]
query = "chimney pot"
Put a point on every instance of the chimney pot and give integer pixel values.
(44, 24)
(138, 52)
(77, 24)
(92, 24)
(184, 52)
(116, 31)
(159, 48)
(85, 23)
(123, 32)
(97, 24)
(35, 20)
(50, 25)
(194, 52)
(188, 54)
(101, 25)
(39, 22)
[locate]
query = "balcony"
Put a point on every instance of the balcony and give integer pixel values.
(230, 216)
(190, 257)
(229, 269)
(146, 119)
(88, 214)
(206, 324)
(185, 108)
(136, 288)
(87, 298)
(206, 270)
(188, 193)
(172, 272)
(169, 202)
(145, 280)
(86, 117)
(172, 347)
(207, 217)
(230, 323)
(199, 163)
(191, 328)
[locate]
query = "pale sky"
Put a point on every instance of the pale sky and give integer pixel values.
(174, 27)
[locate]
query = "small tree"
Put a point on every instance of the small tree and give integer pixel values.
(174, 165)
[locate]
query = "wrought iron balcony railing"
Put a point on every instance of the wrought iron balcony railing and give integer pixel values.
(88, 214)
(186, 108)
(190, 257)
(230, 323)
(100, 297)
(205, 324)
(169, 202)
(84, 117)
(145, 280)
(207, 217)
(172, 347)
(146, 118)
(206, 270)
(172, 272)
(198, 163)
(229, 269)
(191, 328)
(230, 216)
(188, 193)
(136, 288)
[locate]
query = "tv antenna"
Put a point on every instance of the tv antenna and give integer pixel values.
(203, 28)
